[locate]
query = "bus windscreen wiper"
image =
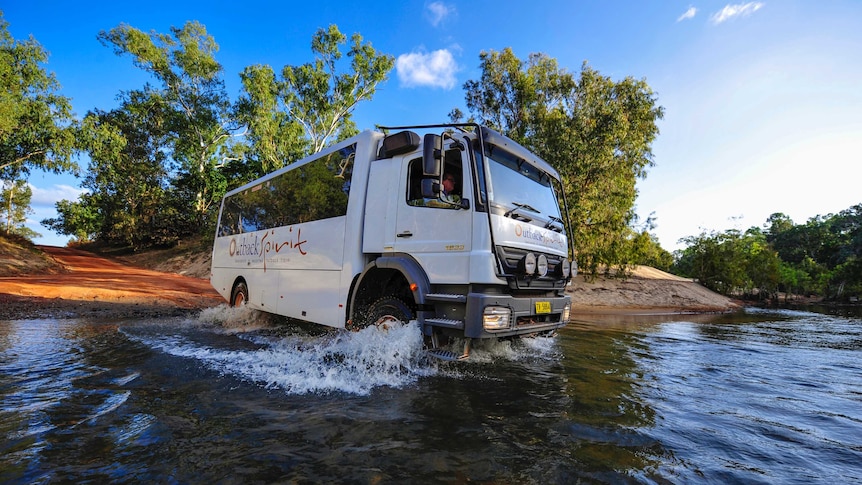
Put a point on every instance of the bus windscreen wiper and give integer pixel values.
(519, 206)
(550, 224)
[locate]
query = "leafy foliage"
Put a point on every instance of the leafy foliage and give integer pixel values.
(36, 123)
(273, 137)
(195, 110)
(309, 106)
(595, 131)
(321, 99)
(15, 203)
(162, 160)
(128, 177)
(820, 257)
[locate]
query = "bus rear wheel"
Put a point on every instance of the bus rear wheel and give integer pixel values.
(239, 295)
(384, 312)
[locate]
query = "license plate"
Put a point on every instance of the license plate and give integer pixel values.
(543, 307)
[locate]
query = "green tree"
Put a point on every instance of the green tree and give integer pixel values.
(762, 265)
(128, 178)
(198, 115)
(273, 137)
(846, 228)
(641, 247)
(776, 225)
(595, 131)
(320, 98)
(15, 202)
(36, 123)
(80, 219)
(716, 260)
(129, 174)
(646, 250)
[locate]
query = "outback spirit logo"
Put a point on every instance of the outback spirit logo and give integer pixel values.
(267, 246)
(545, 238)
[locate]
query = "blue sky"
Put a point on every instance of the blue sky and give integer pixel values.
(763, 99)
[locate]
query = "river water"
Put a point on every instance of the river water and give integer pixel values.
(230, 397)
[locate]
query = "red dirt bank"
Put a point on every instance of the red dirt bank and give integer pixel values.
(94, 286)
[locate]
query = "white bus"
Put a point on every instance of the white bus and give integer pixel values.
(459, 230)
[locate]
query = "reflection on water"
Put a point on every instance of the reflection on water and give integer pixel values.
(752, 397)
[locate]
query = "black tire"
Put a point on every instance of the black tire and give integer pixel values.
(386, 310)
(239, 295)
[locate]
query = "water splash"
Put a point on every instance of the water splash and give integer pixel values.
(495, 350)
(299, 363)
(301, 359)
(234, 319)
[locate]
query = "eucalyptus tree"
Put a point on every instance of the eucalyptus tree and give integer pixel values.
(316, 99)
(14, 207)
(595, 131)
(36, 122)
(272, 137)
(127, 180)
(320, 98)
(198, 115)
(845, 257)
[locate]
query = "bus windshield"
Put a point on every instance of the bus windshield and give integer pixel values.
(518, 186)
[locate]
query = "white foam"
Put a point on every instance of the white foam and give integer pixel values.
(352, 362)
(493, 350)
(297, 362)
(234, 319)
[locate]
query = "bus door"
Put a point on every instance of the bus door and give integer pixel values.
(437, 232)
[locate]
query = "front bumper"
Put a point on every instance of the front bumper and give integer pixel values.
(525, 319)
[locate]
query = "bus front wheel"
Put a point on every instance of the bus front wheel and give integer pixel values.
(239, 296)
(385, 311)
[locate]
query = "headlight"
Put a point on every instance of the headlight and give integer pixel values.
(528, 264)
(567, 312)
(542, 265)
(496, 318)
(565, 268)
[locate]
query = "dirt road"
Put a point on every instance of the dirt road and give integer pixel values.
(95, 286)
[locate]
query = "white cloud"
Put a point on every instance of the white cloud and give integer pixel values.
(689, 14)
(738, 10)
(48, 197)
(438, 12)
(436, 69)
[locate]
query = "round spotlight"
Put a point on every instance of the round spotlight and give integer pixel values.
(529, 263)
(565, 268)
(542, 265)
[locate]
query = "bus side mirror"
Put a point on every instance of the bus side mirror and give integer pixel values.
(430, 188)
(432, 155)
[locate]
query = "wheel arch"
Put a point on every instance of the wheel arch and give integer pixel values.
(236, 281)
(397, 274)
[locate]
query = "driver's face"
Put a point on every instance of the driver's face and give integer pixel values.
(448, 183)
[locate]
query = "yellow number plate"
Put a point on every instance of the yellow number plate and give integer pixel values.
(543, 307)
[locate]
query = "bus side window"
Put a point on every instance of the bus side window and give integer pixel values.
(452, 170)
(452, 167)
(414, 181)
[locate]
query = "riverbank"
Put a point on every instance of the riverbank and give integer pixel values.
(57, 282)
(646, 290)
(80, 284)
